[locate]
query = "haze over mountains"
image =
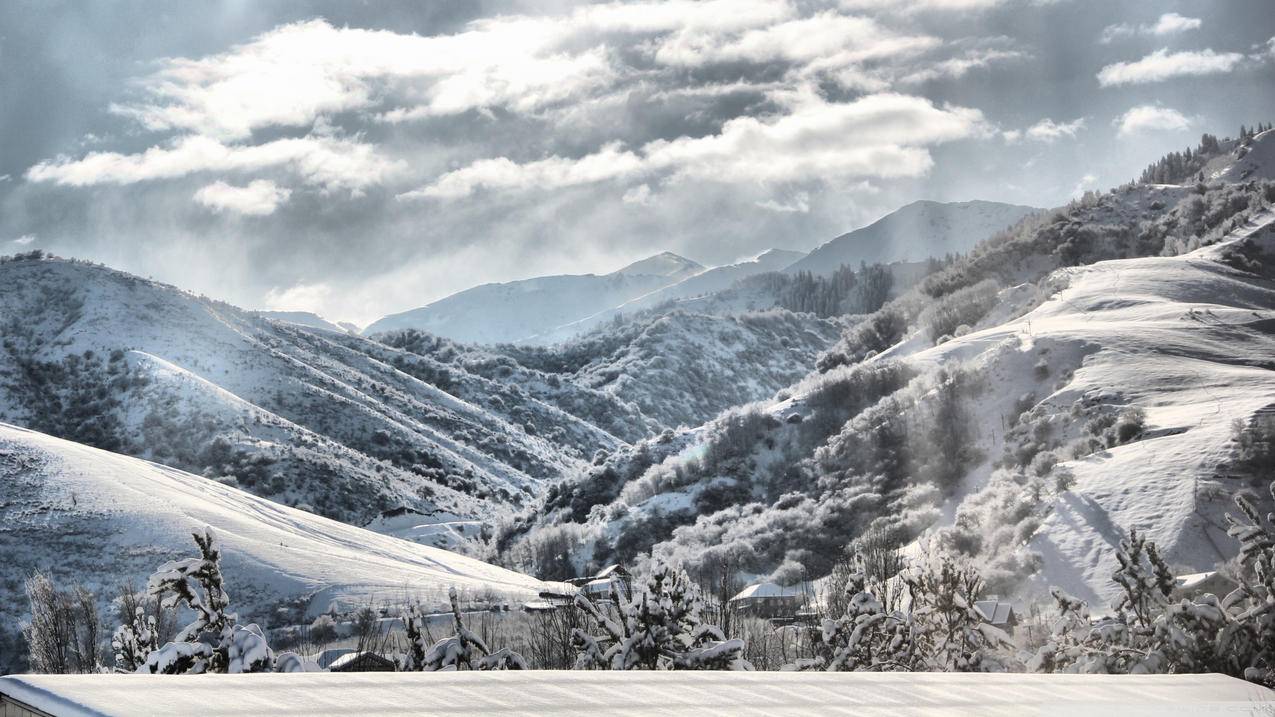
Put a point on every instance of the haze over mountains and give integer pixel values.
(546, 310)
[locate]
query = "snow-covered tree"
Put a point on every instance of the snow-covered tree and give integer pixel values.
(134, 641)
(868, 637)
(659, 629)
(950, 635)
(1251, 643)
(212, 642)
(462, 651)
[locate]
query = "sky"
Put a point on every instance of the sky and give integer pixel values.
(362, 158)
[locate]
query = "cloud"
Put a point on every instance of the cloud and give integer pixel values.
(1146, 118)
(328, 162)
(24, 239)
(881, 135)
(1169, 24)
(798, 203)
(259, 198)
(639, 195)
(1161, 65)
(299, 297)
(959, 66)
(912, 6)
(1048, 130)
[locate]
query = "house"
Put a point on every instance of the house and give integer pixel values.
(539, 606)
(327, 657)
(598, 585)
(1197, 584)
(769, 600)
(361, 662)
(997, 613)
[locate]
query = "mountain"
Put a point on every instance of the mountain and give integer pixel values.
(683, 368)
(519, 311)
(1098, 368)
(306, 318)
(88, 515)
(342, 425)
(707, 282)
(914, 233)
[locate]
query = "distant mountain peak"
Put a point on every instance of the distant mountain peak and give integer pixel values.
(666, 263)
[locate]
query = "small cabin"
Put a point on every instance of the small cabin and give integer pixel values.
(598, 585)
(769, 600)
(997, 613)
(1196, 584)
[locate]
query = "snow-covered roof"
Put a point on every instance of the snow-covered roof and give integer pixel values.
(608, 571)
(552, 692)
(1193, 579)
(994, 611)
(769, 590)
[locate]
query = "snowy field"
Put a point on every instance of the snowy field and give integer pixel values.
(645, 693)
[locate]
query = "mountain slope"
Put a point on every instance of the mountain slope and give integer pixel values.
(706, 282)
(916, 232)
(88, 515)
(344, 425)
(521, 310)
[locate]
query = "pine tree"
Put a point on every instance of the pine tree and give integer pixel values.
(660, 629)
(462, 651)
(212, 642)
(867, 637)
(951, 635)
(134, 641)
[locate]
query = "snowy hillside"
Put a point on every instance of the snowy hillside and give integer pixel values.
(1078, 376)
(915, 232)
(347, 426)
(704, 283)
(1251, 158)
(683, 368)
(102, 518)
(519, 311)
(305, 318)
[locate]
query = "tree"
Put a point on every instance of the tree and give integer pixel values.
(951, 635)
(462, 651)
(212, 642)
(659, 629)
(63, 635)
(867, 637)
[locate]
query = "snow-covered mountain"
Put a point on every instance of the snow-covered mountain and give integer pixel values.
(343, 425)
(306, 318)
(88, 515)
(914, 233)
(1096, 369)
(704, 283)
(520, 311)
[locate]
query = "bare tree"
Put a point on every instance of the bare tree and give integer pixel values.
(64, 635)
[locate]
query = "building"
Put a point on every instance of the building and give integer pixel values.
(558, 692)
(598, 585)
(769, 600)
(1196, 584)
(997, 613)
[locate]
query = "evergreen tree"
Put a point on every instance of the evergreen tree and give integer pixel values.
(464, 650)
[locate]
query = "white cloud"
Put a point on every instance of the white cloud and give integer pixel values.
(299, 297)
(1162, 65)
(1146, 118)
(1048, 130)
(911, 6)
(24, 239)
(639, 195)
(1169, 24)
(882, 135)
(328, 162)
(959, 66)
(798, 203)
(259, 198)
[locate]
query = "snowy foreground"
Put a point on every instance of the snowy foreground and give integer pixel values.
(638, 693)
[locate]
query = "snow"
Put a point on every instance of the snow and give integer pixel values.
(69, 504)
(305, 318)
(915, 232)
(701, 284)
(769, 590)
(1182, 338)
(519, 311)
(634, 693)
